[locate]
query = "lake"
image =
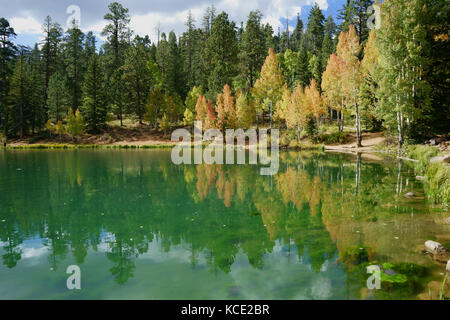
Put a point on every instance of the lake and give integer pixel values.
(141, 227)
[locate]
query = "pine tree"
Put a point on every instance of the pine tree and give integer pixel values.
(170, 65)
(58, 100)
(297, 35)
(7, 50)
(208, 19)
(315, 30)
(75, 67)
(252, 48)
(94, 106)
(361, 17)
(137, 79)
(117, 30)
(220, 54)
(191, 44)
(118, 99)
(346, 15)
(328, 45)
(51, 49)
(304, 74)
(37, 88)
(20, 98)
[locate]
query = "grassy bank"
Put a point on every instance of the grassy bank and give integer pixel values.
(437, 174)
(90, 146)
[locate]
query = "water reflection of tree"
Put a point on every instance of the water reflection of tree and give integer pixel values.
(217, 209)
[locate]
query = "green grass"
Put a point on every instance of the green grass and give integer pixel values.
(86, 146)
(437, 174)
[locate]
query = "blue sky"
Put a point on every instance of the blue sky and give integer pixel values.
(27, 16)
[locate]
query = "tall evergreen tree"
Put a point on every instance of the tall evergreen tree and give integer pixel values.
(297, 35)
(346, 15)
(117, 30)
(37, 88)
(75, 66)
(316, 28)
(328, 45)
(170, 65)
(361, 16)
(58, 98)
(137, 79)
(208, 19)
(7, 51)
(20, 98)
(220, 54)
(252, 48)
(51, 49)
(94, 106)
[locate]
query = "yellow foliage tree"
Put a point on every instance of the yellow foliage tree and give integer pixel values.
(333, 87)
(348, 48)
(313, 100)
(297, 111)
(268, 89)
(225, 108)
(245, 111)
(282, 105)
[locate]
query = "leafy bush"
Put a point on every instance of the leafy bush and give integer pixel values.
(335, 137)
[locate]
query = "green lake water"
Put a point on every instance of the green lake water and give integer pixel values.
(140, 227)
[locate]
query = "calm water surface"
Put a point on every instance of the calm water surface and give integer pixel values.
(141, 227)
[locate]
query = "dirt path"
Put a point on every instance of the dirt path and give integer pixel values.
(369, 140)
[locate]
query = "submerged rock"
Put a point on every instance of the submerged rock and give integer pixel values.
(447, 220)
(444, 158)
(410, 195)
(391, 272)
(434, 247)
(420, 178)
(440, 253)
(448, 266)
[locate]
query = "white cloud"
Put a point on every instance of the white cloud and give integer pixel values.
(238, 11)
(26, 23)
(174, 19)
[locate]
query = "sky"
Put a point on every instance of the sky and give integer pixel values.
(27, 16)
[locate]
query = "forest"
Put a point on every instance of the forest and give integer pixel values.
(391, 76)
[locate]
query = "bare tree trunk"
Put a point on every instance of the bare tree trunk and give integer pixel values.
(358, 128)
